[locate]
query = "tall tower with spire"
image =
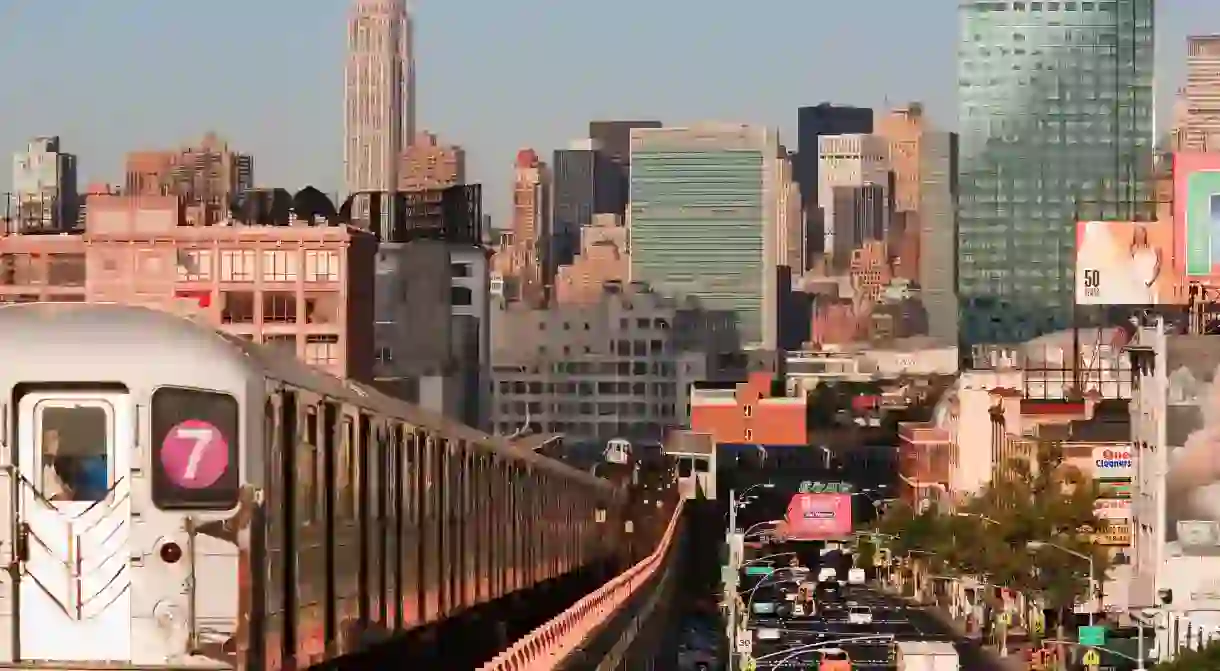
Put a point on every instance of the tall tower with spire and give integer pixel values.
(378, 94)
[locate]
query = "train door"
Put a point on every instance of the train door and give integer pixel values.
(74, 453)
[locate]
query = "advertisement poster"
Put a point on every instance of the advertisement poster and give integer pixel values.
(1196, 188)
(818, 517)
(1125, 263)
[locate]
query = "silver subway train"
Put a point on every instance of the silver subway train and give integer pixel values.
(176, 498)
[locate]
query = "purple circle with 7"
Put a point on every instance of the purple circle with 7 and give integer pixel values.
(194, 454)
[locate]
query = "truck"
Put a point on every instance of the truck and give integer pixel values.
(926, 656)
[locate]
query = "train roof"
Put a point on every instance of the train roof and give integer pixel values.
(167, 335)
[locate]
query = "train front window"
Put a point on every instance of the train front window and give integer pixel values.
(75, 448)
(195, 440)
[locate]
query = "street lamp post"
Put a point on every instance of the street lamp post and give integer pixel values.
(730, 537)
(1038, 545)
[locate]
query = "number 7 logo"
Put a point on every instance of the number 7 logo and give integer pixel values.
(201, 439)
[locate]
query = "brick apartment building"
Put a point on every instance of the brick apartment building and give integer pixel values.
(305, 288)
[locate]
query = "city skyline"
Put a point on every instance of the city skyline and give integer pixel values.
(289, 113)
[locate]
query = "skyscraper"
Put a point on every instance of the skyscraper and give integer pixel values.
(1055, 111)
(379, 93)
(703, 221)
(1201, 125)
(812, 123)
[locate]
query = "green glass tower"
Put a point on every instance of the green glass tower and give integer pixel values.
(1055, 111)
(703, 220)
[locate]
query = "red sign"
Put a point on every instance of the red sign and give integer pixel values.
(818, 517)
(195, 454)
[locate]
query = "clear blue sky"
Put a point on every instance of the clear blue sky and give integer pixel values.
(494, 75)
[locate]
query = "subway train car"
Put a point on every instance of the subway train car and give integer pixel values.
(182, 499)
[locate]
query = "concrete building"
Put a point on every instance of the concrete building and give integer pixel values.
(428, 164)
(613, 139)
(1177, 538)
(937, 232)
(303, 288)
(812, 123)
(1200, 127)
(851, 160)
(522, 259)
(379, 93)
(860, 215)
(44, 188)
(470, 301)
(790, 226)
(207, 177)
(1028, 174)
(603, 259)
(704, 220)
(620, 368)
(586, 182)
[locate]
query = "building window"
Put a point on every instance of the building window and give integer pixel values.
(461, 296)
(749, 435)
(321, 266)
(279, 266)
(279, 307)
(237, 265)
(284, 343)
(322, 350)
(747, 410)
(194, 265)
(237, 307)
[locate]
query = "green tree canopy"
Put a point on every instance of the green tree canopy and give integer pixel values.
(1204, 659)
(1039, 500)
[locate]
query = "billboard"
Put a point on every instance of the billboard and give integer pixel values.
(818, 517)
(1125, 263)
(1196, 190)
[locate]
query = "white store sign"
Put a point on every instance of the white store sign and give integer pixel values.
(1113, 462)
(1112, 509)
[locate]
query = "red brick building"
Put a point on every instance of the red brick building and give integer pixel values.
(750, 413)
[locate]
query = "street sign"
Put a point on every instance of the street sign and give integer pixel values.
(1093, 636)
(1092, 658)
(760, 570)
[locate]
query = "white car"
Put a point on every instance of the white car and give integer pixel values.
(826, 573)
(859, 615)
(856, 577)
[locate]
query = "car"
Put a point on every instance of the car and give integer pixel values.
(827, 573)
(856, 576)
(834, 659)
(859, 615)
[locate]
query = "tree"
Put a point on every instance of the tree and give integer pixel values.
(1206, 658)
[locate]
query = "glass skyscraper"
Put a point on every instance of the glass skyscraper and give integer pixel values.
(1055, 110)
(703, 220)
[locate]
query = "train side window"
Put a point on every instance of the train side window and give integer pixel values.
(307, 465)
(345, 489)
(195, 434)
(701, 465)
(684, 467)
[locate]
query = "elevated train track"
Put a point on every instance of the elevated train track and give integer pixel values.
(261, 515)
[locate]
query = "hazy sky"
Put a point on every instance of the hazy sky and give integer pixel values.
(493, 75)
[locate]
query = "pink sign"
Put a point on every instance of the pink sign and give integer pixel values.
(195, 454)
(818, 517)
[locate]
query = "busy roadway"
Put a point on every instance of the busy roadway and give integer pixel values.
(829, 625)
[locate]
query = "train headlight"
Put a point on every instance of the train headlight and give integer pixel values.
(167, 614)
(171, 552)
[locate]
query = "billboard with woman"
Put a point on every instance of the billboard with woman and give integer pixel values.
(1125, 263)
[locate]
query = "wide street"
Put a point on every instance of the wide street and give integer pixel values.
(892, 618)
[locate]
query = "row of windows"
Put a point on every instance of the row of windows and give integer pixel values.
(535, 408)
(642, 323)
(1066, 6)
(242, 265)
(587, 388)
